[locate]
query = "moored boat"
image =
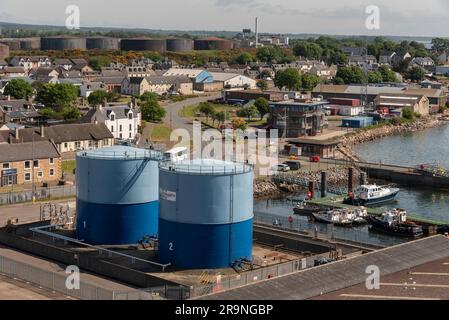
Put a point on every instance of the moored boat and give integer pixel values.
(394, 222)
(368, 195)
(336, 217)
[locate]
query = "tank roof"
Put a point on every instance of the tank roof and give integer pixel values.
(207, 167)
(121, 153)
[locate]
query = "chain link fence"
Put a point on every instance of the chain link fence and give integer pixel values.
(40, 194)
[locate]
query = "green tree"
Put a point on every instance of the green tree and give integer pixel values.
(149, 96)
(96, 98)
(263, 106)
(308, 50)
(415, 74)
(407, 113)
(57, 96)
(207, 109)
(19, 89)
(440, 45)
(248, 112)
(245, 58)
(221, 117)
(71, 114)
(310, 81)
(289, 79)
(375, 77)
(339, 81)
(388, 75)
(262, 85)
(351, 75)
(99, 62)
(152, 111)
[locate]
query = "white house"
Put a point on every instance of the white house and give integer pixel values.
(123, 121)
(30, 63)
(87, 87)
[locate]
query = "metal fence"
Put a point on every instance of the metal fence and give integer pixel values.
(40, 194)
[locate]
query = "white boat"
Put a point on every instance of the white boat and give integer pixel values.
(372, 194)
(338, 217)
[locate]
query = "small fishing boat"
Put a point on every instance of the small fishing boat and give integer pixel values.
(368, 195)
(394, 222)
(342, 218)
(305, 208)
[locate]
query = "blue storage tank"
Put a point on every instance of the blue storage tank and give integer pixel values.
(357, 122)
(205, 214)
(117, 195)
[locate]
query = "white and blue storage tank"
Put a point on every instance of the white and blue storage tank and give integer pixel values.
(117, 195)
(205, 214)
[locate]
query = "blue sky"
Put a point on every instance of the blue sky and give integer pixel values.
(398, 17)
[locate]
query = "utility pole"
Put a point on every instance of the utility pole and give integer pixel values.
(32, 170)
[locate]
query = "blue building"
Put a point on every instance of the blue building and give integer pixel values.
(117, 195)
(206, 214)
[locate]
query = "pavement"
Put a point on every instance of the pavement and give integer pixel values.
(16, 289)
(24, 212)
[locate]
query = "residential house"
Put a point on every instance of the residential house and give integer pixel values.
(401, 56)
(123, 121)
(18, 111)
(70, 137)
(323, 71)
(426, 63)
(157, 84)
(87, 87)
(353, 51)
(29, 163)
(46, 74)
(195, 75)
(13, 72)
(386, 57)
(443, 58)
(369, 61)
(30, 63)
(66, 64)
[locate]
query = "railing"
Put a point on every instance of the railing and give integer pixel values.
(206, 167)
(40, 194)
(142, 154)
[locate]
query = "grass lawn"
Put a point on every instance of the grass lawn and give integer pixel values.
(160, 132)
(68, 166)
(190, 111)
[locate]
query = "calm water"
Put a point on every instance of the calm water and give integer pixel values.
(430, 146)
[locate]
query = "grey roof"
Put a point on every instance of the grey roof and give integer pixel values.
(19, 109)
(60, 62)
(342, 274)
(111, 73)
(168, 79)
(28, 151)
(111, 80)
(68, 133)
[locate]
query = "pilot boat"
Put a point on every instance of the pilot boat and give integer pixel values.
(394, 222)
(368, 195)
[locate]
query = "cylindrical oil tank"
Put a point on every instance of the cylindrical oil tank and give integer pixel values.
(143, 44)
(104, 43)
(205, 214)
(13, 44)
(213, 44)
(4, 51)
(117, 195)
(63, 43)
(179, 45)
(30, 43)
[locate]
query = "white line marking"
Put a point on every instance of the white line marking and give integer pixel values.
(430, 274)
(414, 285)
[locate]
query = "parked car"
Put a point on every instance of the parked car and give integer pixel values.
(315, 159)
(281, 168)
(321, 261)
(294, 165)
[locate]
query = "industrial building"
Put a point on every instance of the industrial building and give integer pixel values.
(386, 104)
(103, 43)
(30, 43)
(4, 51)
(13, 44)
(179, 45)
(295, 119)
(213, 43)
(210, 225)
(117, 195)
(143, 44)
(61, 43)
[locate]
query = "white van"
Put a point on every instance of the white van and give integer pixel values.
(176, 154)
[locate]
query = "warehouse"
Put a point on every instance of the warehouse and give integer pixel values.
(234, 81)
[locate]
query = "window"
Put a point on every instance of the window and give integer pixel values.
(28, 176)
(52, 161)
(112, 129)
(120, 128)
(130, 135)
(40, 174)
(27, 164)
(121, 136)
(66, 145)
(130, 127)
(6, 165)
(36, 163)
(130, 116)
(112, 117)
(52, 172)
(77, 145)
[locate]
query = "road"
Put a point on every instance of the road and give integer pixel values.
(172, 118)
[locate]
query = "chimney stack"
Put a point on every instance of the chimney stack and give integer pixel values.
(17, 133)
